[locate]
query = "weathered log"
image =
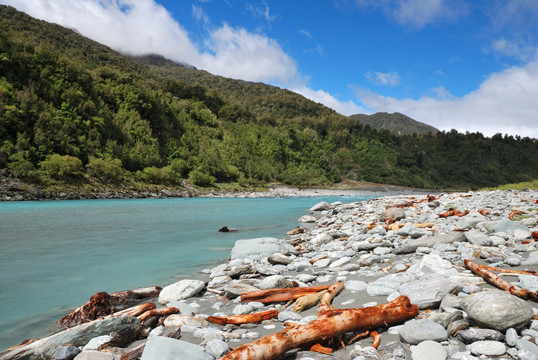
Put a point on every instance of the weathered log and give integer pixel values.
(307, 301)
(331, 324)
(494, 279)
(453, 212)
(277, 295)
(332, 291)
(136, 310)
(158, 312)
(243, 319)
(135, 353)
(103, 304)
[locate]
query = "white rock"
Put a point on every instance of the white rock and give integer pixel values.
(181, 290)
(340, 262)
(488, 348)
(428, 350)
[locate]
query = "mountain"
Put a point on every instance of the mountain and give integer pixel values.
(73, 111)
(396, 122)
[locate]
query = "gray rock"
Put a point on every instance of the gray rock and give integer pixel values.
(497, 310)
(307, 219)
(450, 302)
(434, 264)
(96, 355)
(509, 227)
(279, 259)
(235, 290)
(511, 337)
(529, 282)
(428, 291)
(488, 348)
(477, 237)
(164, 348)
(180, 290)
(388, 284)
(522, 344)
(66, 352)
(322, 263)
(468, 222)
(476, 334)
(322, 238)
(525, 355)
(392, 213)
(456, 326)
(416, 331)
(412, 246)
(322, 205)
(275, 282)
(355, 285)
(340, 262)
(259, 248)
(94, 343)
(217, 348)
(428, 350)
(364, 353)
(454, 316)
(532, 260)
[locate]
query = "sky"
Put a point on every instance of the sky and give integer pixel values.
(453, 64)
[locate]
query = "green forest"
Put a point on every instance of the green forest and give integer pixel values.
(75, 111)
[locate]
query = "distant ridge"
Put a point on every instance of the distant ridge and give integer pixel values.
(396, 122)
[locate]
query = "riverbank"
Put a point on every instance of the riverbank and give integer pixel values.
(13, 189)
(379, 249)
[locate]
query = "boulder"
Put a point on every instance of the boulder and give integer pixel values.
(497, 310)
(259, 248)
(509, 227)
(434, 264)
(392, 213)
(164, 348)
(428, 350)
(322, 205)
(66, 352)
(428, 291)
(388, 284)
(416, 331)
(183, 289)
(307, 219)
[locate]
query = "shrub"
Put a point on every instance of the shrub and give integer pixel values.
(106, 168)
(200, 178)
(59, 167)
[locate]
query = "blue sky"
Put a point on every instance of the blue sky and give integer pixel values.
(468, 65)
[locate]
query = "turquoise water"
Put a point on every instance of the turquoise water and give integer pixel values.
(55, 254)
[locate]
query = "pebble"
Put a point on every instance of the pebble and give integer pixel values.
(372, 261)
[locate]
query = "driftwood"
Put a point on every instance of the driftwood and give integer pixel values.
(243, 319)
(103, 304)
(332, 291)
(331, 324)
(494, 279)
(453, 212)
(158, 312)
(277, 295)
(307, 301)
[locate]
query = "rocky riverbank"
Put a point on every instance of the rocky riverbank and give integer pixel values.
(379, 249)
(14, 189)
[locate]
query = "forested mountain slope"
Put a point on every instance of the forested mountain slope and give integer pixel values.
(76, 111)
(395, 122)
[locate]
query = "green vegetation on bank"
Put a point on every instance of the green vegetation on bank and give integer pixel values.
(533, 185)
(76, 112)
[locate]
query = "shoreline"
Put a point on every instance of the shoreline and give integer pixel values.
(360, 255)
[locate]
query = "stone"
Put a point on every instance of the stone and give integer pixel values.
(94, 343)
(455, 327)
(428, 291)
(322, 263)
(392, 213)
(477, 237)
(275, 282)
(259, 248)
(322, 205)
(428, 350)
(388, 284)
(509, 227)
(184, 320)
(217, 348)
(497, 310)
(476, 334)
(529, 282)
(307, 219)
(488, 348)
(532, 259)
(96, 355)
(468, 222)
(279, 259)
(235, 290)
(180, 290)
(355, 285)
(164, 348)
(340, 262)
(522, 344)
(511, 337)
(434, 264)
(415, 331)
(66, 352)
(322, 238)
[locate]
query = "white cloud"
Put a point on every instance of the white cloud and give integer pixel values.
(142, 26)
(261, 11)
(379, 78)
(343, 107)
(504, 103)
(305, 33)
(517, 50)
(199, 14)
(417, 13)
